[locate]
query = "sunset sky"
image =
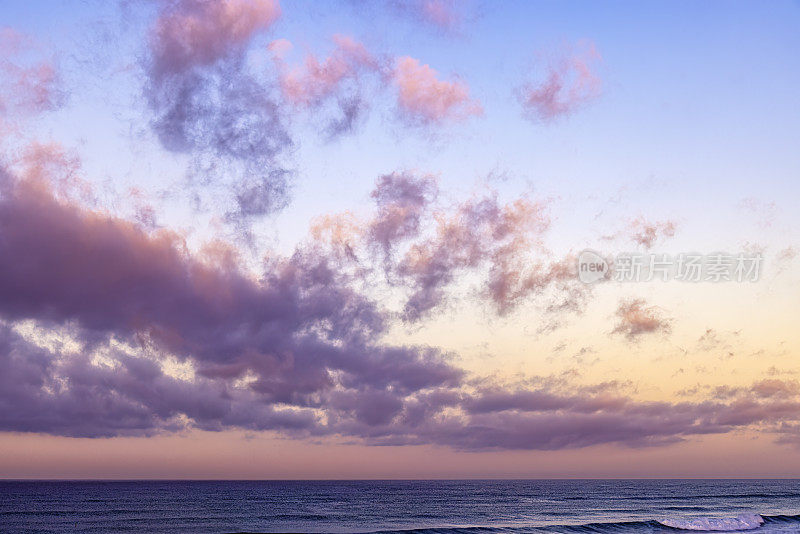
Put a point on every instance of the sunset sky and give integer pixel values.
(252, 239)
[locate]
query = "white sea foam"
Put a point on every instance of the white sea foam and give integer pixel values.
(741, 522)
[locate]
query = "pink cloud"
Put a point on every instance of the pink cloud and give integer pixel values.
(423, 98)
(342, 77)
(315, 80)
(338, 78)
(762, 210)
(423, 248)
(636, 319)
(444, 15)
(644, 233)
(339, 233)
(26, 87)
(787, 254)
(479, 234)
(784, 259)
(570, 83)
(647, 233)
(196, 33)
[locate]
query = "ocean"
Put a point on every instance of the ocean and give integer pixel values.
(471, 506)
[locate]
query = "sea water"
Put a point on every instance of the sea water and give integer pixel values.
(473, 506)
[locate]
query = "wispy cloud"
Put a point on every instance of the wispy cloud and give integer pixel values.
(338, 77)
(424, 248)
(635, 319)
(444, 15)
(207, 103)
(648, 233)
(30, 82)
(569, 83)
(644, 232)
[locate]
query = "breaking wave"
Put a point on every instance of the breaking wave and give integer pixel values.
(743, 522)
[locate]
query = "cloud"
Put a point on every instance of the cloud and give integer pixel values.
(479, 233)
(549, 417)
(787, 254)
(207, 103)
(764, 212)
(784, 259)
(69, 394)
(339, 78)
(709, 340)
(97, 311)
(317, 80)
(772, 387)
(424, 248)
(29, 83)
(635, 319)
(402, 200)
(569, 84)
(424, 99)
(197, 33)
(338, 87)
(444, 15)
(298, 331)
(294, 349)
(647, 233)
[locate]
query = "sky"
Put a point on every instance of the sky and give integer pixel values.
(263, 239)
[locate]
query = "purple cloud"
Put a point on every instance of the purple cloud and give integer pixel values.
(402, 200)
(295, 350)
(298, 330)
(206, 102)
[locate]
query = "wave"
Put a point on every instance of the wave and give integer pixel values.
(740, 522)
(743, 522)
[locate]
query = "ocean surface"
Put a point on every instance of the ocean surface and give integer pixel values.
(475, 506)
